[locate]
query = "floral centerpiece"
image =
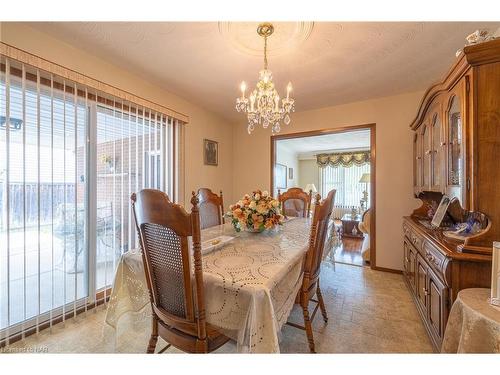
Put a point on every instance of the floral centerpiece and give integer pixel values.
(256, 212)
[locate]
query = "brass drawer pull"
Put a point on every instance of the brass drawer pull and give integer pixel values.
(426, 292)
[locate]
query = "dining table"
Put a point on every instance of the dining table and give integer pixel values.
(250, 281)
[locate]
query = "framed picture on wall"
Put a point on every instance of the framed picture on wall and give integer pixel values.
(290, 173)
(210, 152)
(280, 172)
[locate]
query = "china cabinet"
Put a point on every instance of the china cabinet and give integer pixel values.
(456, 148)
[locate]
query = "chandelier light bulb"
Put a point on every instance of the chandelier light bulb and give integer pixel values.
(243, 87)
(289, 88)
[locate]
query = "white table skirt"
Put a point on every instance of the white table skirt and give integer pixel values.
(473, 325)
(250, 284)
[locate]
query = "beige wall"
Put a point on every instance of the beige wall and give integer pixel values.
(289, 158)
(308, 173)
(202, 124)
(392, 116)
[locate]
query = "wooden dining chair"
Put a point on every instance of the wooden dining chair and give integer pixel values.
(176, 293)
(312, 266)
(295, 202)
(211, 208)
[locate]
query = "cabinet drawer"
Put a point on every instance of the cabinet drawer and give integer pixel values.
(406, 230)
(416, 240)
(413, 237)
(434, 257)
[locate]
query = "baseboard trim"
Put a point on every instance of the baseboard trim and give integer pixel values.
(390, 270)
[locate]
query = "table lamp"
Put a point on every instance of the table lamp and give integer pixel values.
(311, 187)
(365, 179)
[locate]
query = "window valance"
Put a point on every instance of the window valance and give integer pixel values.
(98, 91)
(346, 159)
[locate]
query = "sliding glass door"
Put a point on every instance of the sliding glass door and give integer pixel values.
(43, 189)
(69, 161)
(131, 155)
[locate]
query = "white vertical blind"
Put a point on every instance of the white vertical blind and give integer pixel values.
(69, 160)
(7, 186)
(346, 181)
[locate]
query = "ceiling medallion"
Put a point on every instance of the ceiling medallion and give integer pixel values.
(263, 105)
(287, 37)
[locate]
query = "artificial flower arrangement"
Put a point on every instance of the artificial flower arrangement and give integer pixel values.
(256, 212)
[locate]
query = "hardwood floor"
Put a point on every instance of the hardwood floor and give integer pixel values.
(349, 252)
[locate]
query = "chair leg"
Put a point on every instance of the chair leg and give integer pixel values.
(308, 325)
(154, 337)
(321, 304)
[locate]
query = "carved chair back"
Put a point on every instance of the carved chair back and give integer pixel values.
(164, 228)
(211, 208)
(317, 239)
(295, 202)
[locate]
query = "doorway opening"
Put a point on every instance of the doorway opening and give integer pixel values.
(342, 159)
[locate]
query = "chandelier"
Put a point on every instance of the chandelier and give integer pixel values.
(263, 105)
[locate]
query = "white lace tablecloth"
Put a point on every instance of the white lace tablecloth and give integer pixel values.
(473, 325)
(250, 284)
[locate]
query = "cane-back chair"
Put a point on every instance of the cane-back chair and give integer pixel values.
(295, 202)
(211, 208)
(312, 266)
(176, 291)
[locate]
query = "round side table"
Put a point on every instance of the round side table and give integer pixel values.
(473, 325)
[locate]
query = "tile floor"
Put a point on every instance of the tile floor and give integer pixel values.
(369, 312)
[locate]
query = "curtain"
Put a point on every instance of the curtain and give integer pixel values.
(70, 157)
(96, 88)
(346, 181)
(345, 159)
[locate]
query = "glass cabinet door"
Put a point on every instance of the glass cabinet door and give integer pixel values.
(455, 149)
(416, 163)
(426, 140)
(436, 152)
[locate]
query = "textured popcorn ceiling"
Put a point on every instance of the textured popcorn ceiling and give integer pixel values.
(329, 63)
(307, 146)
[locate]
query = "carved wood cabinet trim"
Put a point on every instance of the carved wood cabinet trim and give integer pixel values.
(456, 148)
(434, 274)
